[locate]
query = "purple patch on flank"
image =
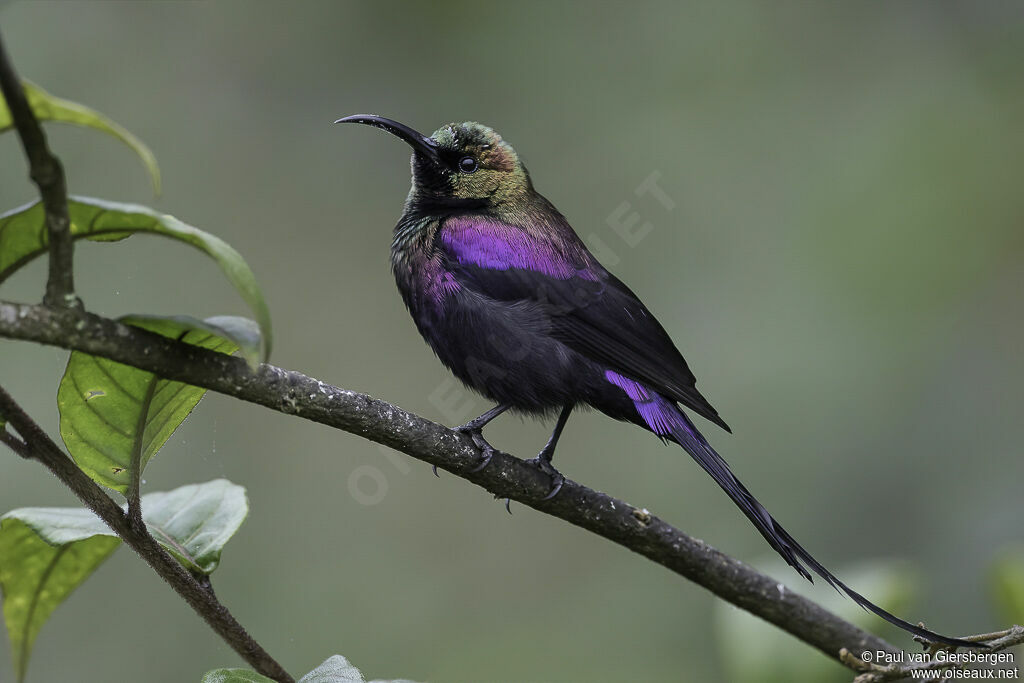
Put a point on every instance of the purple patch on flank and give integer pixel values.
(659, 414)
(447, 283)
(437, 283)
(497, 245)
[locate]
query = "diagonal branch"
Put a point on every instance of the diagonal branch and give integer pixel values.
(47, 173)
(935, 666)
(35, 444)
(506, 476)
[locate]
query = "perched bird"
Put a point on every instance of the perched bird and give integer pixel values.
(510, 299)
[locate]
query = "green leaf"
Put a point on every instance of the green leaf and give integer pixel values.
(242, 332)
(234, 676)
(46, 107)
(1007, 583)
(45, 553)
(110, 411)
(195, 522)
(23, 237)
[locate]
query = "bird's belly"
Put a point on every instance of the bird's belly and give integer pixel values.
(504, 351)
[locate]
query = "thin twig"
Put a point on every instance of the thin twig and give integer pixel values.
(37, 445)
(47, 173)
(506, 476)
(15, 444)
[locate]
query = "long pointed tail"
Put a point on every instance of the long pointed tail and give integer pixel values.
(681, 429)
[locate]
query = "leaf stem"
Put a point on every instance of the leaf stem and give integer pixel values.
(135, 463)
(37, 445)
(47, 173)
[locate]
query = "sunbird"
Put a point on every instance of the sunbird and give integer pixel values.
(514, 304)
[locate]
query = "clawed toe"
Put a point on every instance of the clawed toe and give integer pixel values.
(480, 442)
(557, 478)
(474, 429)
(559, 481)
(485, 461)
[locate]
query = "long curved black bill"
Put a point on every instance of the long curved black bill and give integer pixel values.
(418, 141)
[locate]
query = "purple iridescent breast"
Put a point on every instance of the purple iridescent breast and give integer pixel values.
(497, 245)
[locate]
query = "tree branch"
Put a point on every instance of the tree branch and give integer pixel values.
(37, 445)
(47, 173)
(506, 476)
(932, 669)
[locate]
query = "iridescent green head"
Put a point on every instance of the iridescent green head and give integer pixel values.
(460, 162)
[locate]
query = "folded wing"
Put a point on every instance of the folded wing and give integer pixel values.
(589, 309)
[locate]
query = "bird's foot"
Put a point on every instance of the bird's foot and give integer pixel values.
(487, 450)
(543, 464)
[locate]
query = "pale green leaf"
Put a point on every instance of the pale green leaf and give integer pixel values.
(45, 553)
(46, 107)
(243, 332)
(337, 669)
(195, 522)
(108, 410)
(23, 237)
(234, 676)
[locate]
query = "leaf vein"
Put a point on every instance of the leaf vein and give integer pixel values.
(94, 409)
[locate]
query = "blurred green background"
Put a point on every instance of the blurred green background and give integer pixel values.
(843, 268)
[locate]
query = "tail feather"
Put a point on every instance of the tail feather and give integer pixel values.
(682, 430)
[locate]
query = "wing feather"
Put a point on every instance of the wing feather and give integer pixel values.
(590, 310)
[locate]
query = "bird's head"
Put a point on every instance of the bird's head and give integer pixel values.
(461, 163)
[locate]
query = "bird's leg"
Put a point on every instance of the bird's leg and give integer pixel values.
(543, 459)
(478, 423)
(474, 428)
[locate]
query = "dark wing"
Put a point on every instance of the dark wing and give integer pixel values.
(591, 311)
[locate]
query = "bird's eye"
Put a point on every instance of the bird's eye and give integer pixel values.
(467, 164)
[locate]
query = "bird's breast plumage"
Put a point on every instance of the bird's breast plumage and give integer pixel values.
(517, 308)
(495, 244)
(502, 348)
